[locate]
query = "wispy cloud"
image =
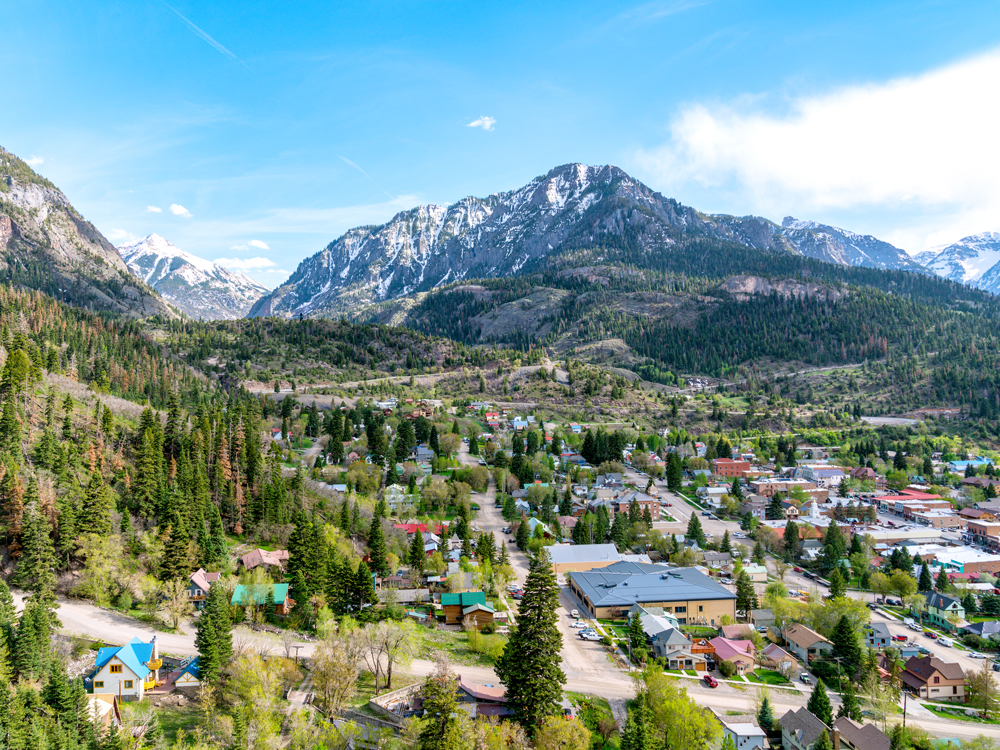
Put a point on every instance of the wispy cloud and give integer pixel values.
(352, 164)
(34, 161)
(245, 264)
(178, 210)
(484, 122)
(208, 39)
(259, 244)
(121, 236)
(893, 146)
(154, 210)
(660, 9)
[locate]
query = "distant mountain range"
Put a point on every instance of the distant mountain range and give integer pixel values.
(973, 260)
(573, 207)
(46, 244)
(195, 286)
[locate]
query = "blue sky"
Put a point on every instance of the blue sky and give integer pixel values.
(271, 128)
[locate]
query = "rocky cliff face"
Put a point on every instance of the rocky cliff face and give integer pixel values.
(195, 286)
(45, 244)
(573, 206)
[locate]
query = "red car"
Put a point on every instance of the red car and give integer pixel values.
(799, 570)
(711, 681)
(899, 638)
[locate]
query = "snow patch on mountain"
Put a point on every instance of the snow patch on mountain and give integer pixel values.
(197, 287)
(969, 260)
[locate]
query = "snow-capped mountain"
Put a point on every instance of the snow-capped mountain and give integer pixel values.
(197, 287)
(845, 248)
(972, 260)
(573, 207)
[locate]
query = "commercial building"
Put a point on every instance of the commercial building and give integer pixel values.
(967, 560)
(728, 467)
(769, 487)
(692, 597)
(567, 558)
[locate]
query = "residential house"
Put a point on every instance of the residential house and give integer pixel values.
(757, 573)
(190, 674)
(976, 514)
(672, 642)
(877, 636)
(546, 532)
(740, 632)
(741, 653)
(744, 731)
(468, 604)
(642, 500)
(718, 560)
(653, 620)
(762, 618)
(259, 596)
(270, 559)
(755, 505)
(776, 658)
(929, 677)
(198, 586)
(859, 736)
(399, 500)
(482, 700)
(791, 510)
(805, 643)
(612, 480)
(941, 607)
(800, 730)
(126, 671)
(864, 474)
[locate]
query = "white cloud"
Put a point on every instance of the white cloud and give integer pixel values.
(260, 245)
(240, 248)
(484, 122)
(178, 210)
(34, 161)
(245, 264)
(121, 236)
(918, 146)
(154, 210)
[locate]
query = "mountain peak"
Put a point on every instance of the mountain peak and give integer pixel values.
(196, 286)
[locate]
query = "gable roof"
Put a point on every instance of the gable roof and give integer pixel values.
(802, 636)
(776, 653)
(736, 632)
(256, 557)
(941, 601)
(133, 655)
(562, 554)
(861, 736)
(806, 727)
(879, 630)
(463, 599)
(672, 637)
(726, 649)
(192, 669)
(483, 692)
(204, 580)
(922, 668)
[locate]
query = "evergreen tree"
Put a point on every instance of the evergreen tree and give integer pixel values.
(792, 540)
(943, 584)
(364, 587)
(926, 582)
(725, 545)
(433, 442)
(523, 536)
(440, 710)
(529, 666)
(823, 743)
(213, 638)
(765, 717)
(637, 639)
(98, 506)
(377, 551)
(417, 556)
(36, 569)
(838, 586)
(775, 510)
(736, 491)
(10, 429)
(969, 603)
(846, 645)
(674, 472)
(345, 518)
(694, 530)
(758, 553)
(851, 706)
(176, 563)
(746, 596)
(639, 732)
(819, 704)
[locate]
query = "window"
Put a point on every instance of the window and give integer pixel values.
(128, 684)
(701, 608)
(99, 684)
(116, 669)
(954, 689)
(937, 680)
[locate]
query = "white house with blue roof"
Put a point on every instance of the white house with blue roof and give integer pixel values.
(189, 675)
(126, 671)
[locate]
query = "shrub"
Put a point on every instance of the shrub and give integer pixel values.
(728, 668)
(489, 628)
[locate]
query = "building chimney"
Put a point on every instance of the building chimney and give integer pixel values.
(836, 739)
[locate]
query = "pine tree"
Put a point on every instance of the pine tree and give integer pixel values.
(792, 541)
(98, 505)
(529, 666)
(10, 430)
(213, 638)
(36, 568)
(846, 644)
(523, 536)
(926, 582)
(838, 586)
(725, 545)
(758, 553)
(851, 706)
(694, 530)
(943, 584)
(674, 473)
(765, 717)
(364, 587)
(377, 551)
(637, 639)
(823, 742)
(819, 704)
(417, 556)
(746, 596)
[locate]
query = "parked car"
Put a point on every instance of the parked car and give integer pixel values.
(872, 606)
(976, 655)
(805, 678)
(706, 513)
(932, 636)
(899, 638)
(914, 627)
(574, 613)
(996, 666)
(580, 624)
(799, 570)
(925, 652)
(590, 636)
(762, 629)
(711, 681)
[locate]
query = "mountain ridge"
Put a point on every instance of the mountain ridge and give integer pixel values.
(573, 206)
(197, 287)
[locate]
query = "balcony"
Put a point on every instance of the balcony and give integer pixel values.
(154, 664)
(149, 684)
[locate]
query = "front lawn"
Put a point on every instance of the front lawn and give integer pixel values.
(767, 677)
(957, 714)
